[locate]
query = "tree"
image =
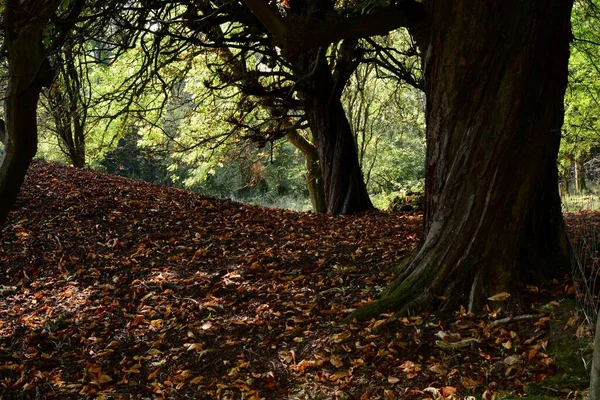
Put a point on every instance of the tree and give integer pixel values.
(29, 71)
(298, 90)
(237, 69)
(580, 131)
(34, 32)
(492, 213)
(68, 102)
(387, 118)
(298, 62)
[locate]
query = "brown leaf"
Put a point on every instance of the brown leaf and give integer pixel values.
(500, 296)
(336, 361)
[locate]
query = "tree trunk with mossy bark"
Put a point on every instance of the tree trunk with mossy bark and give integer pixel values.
(496, 75)
(29, 71)
(314, 181)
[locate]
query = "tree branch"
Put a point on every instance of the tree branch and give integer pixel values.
(380, 22)
(269, 18)
(337, 26)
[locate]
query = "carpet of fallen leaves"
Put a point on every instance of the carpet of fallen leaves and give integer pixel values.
(114, 288)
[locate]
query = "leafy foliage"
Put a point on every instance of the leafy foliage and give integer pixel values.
(185, 130)
(387, 117)
(580, 130)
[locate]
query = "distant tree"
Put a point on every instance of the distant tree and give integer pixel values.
(131, 160)
(387, 118)
(67, 102)
(580, 141)
(236, 69)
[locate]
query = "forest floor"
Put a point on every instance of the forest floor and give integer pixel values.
(113, 289)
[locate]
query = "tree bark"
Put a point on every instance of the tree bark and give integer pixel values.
(314, 181)
(69, 112)
(345, 189)
(580, 185)
(77, 112)
(595, 379)
(496, 75)
(29, 71)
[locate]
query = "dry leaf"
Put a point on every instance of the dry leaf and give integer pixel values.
(336, 361)
(512, 360)
(104, 379)
(499, 297)
(438, 369)
(448, 391)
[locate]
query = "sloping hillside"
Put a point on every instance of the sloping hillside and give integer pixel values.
(112, 287)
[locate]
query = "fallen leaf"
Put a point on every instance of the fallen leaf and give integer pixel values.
(499, 297)
(448, 391)
(336, 361)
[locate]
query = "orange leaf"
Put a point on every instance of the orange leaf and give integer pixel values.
(448, 391)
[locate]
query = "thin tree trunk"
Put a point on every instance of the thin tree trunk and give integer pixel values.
(314, 180)
(77, 112)
(580, 186)
(496, 75)
(78, 158)
(29, 70)
(595, 379)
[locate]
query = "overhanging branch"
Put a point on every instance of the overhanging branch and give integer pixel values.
(406, 14)
(274, 23)
(338, 25)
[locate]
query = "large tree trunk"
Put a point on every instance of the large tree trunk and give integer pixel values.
(345, 189)
(496, 74)
(29, 70)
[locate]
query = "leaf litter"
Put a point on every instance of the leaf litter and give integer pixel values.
(115, 288)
